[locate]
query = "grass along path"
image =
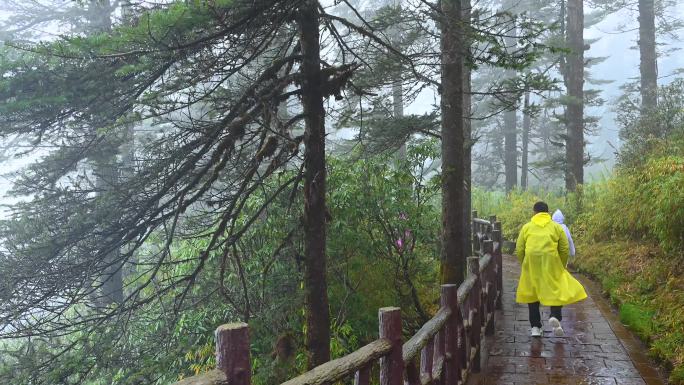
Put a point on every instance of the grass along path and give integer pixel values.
(647, 287)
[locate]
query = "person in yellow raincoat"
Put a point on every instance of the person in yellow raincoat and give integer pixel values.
(542, 250)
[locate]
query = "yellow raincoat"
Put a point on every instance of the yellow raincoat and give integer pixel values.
(543, 252)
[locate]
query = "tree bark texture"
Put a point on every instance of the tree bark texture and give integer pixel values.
(99, 15)
(317, 338)
(397, 89)
(510, 150)
(525, 141)
(648, 66)
(574, 174)
(452, 265)
(398, 106)
(510, 132)
(106, 174)
(467, 128)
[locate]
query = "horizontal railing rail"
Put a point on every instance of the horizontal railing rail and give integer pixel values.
(443, 351)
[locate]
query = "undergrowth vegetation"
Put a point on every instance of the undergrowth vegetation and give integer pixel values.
(645, 202)
(647, 286)
(383, 248)
(631, 238)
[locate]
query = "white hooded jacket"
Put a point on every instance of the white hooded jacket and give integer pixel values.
(559, 218)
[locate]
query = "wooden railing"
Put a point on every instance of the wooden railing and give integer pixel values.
(443, 352)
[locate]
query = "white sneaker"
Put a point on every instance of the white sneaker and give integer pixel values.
(536, 332)
(557, 328)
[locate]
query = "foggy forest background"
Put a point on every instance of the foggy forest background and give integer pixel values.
(169, 166)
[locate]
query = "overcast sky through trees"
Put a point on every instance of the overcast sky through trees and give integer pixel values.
(617, 40)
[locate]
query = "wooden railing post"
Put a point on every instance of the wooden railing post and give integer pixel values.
(492, 220)
(488, 246)
(463, 344)
(490, 291)
(438, 358)
(474, 245)
(476, 308)
(412, 373)
(498, 258)
(452, 368)
(391, 365)
(426, 355)
(232, 353)
(362, 376)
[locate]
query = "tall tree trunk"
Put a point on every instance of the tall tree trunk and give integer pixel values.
(648, 66)
(397, 91)
(467, 127)
(452, 265)
(317, 338)
(510, 118)
(398, 107)
(106, 172)
(510, 149)
(575, 84)
(99, 15)
(127, 148)
(525, 141)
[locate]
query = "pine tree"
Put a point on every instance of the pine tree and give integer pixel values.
(316, 289)
(452, 267)
(574, 80)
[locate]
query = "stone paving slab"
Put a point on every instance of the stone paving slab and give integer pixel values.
(596, 349)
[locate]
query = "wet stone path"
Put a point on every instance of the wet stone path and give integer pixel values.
(596, 349)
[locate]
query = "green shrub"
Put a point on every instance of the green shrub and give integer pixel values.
(648, 287)
(646, 202)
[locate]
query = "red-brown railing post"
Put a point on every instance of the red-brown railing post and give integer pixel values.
(476, 325)
(489, 286)
(473, 234)
(232, 353)
(463, 346)
(438, 358)
(362, 376)
(451, 365)
(488, 246)
(412, 373)
(391, 365)
(498, 257)
(426, 355)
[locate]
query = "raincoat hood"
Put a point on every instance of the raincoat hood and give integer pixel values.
(541, 219)
(558, 216)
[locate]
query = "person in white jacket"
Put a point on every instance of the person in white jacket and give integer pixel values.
(559, 218)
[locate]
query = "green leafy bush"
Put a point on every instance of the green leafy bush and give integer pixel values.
(644, 202)
(647, 285)
(383, 241)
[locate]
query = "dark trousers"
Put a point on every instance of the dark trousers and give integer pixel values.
(535, 316)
